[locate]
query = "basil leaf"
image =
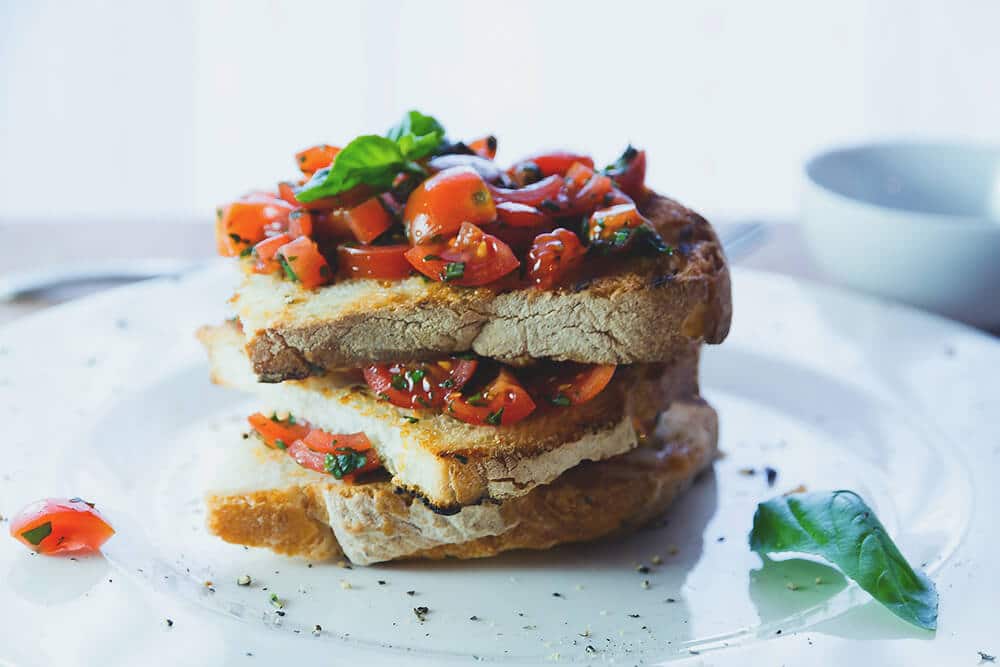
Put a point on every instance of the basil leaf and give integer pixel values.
(417, 135)
(841, 528)
(38, 533)
(369, 160)
(344, 462)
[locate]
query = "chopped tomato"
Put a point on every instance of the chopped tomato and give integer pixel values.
(343, 455)
(629, 172)
(315, 158)
(385, 262)
(278, 433)
(542, 194)
(470, 259)
(60, 525)
(503, 402)
(300, 224)
(555, 162)
(520, 215)
(553, 256)
(243, 223)
(331, 226)
(485, 147)
(303, 263)
(616, 228)
(417, 386)
(443, 202)
(572, 384)
(265, 251)
(576, 177)
(368, 220)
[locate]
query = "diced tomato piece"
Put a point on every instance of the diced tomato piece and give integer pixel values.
(541, 195)
(629, 172)
(307, 458)
(315, 158)
(243, 223)
(553, 256)
(503, 402)
(576, 177)
(368, 220)
(616, 228)
(303, 263)
(327, 443)
(520, 215)
(417, 386)
(556, 162)
(485, 147)
(384, 262)
(300, 223)
(443, 202)
(571, 384)
(344, 455)
(60, 525)
(265, 251)
(278, 433)
(470, 259)
(331, 226)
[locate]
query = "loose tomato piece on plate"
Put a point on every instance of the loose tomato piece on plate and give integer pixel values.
(485, 147)
(265, 252)
(61, 525)
(368, 220)
(555, 162)
(553, 256)
(384, 262)
(315, 158)
(278, 433)
(503, 402)
(629, 172)
(470, 259)
(343, 455)
(419, 385)
(439, 205)
(243, 223)
(303, 263)
(571, 384)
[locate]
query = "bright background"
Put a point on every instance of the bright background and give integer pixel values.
(159, 110)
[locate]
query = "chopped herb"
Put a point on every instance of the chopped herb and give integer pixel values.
(479, 197)
(384, 396)
(236, 238)
(246, 252)
(423, 401)
(411, 420)
(411, 593)
(289, 272)
(461, 458)
(421, 613)
(38, 533)
(398, 382)
(276, 601)
(466, 356)
(986, 657)
(431, 258)
(549, 205)
(621, 237)
(453, 271)
(317, 629)
(493, 418)
(476, 399)
(81, 500)
(416, 375)
(560, 399)
(344, 462)
(169, 622)
(280, 444)
(448, 383)
(772, 475)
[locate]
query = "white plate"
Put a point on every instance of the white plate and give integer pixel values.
(108, 398)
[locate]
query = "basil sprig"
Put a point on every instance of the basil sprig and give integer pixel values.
(841, 528)
(375, 161)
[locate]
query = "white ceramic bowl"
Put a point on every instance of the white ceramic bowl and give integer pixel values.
(915, 222)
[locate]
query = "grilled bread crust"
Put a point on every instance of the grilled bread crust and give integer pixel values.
(624, 311)
(317, 518)
(450, 463)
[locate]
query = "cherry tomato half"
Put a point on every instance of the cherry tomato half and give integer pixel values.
(503, 402)
(384, 262)
(470, 259)
(439, 205)
(417, 386)
(553, 256)
(60, 525)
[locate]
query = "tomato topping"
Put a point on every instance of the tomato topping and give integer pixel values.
(504, 401)
(278, 433)
(629, 172)
(368, 220)
(485, 147)
(520, 215)
(303, 263)
(576, 177)
(616, 228)
(385, 262)
(553, 256)
(300, 223)
(243, 223)
(439, 205)
(421, 385)
(556, 162)
(470, 259)
(343, 456)
(541, 195)
(315, 158)
(265, 251)
(60, 525)
(572, 384)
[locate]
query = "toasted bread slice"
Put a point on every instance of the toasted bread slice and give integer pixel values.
(450, 463)
(265, 499)
(626, 310)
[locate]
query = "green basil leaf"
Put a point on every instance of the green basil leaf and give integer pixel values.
(417, 135)
(38, 533)
(369, 160)
(344, 462)
(841, 528)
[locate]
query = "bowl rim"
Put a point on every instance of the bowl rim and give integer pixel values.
(923, 216)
